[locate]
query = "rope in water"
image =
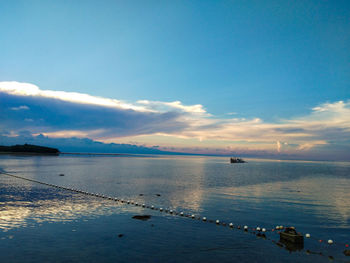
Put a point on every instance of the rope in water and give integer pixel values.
(258, 231)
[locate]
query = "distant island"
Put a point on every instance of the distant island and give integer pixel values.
(28, 148)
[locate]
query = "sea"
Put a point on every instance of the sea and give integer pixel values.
(41, 223)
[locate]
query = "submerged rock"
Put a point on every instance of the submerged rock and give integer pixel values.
(142, 217)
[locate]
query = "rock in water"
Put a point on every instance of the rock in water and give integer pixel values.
(142, 217)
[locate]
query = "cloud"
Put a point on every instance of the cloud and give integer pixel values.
(22, 107)
(59, 112)
(65, 114)
(175, 105)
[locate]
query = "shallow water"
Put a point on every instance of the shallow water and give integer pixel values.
(39, 223)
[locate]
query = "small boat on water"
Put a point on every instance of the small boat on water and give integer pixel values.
(292, 236)
(236, 160)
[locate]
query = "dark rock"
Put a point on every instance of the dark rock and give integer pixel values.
(142, 217)
(61, 174)
(120, 235)
(261, 235)
(140, 194)
(157, 194)
(279, 244)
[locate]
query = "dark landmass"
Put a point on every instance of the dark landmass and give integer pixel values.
(81, 145)
(28, 148)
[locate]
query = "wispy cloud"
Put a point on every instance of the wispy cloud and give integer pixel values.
(65, 114)
(22, 107)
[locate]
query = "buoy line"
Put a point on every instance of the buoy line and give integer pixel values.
(258, 231)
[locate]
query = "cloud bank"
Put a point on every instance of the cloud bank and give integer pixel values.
(25, 107)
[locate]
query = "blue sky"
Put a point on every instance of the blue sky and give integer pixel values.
(238, 61)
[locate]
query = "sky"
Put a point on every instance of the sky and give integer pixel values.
(215, 77)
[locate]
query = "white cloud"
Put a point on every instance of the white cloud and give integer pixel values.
(27, 89)
(22, 107)
(174, 105)
(112, 119)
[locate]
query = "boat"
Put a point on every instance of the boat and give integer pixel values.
(236, 160)
(292, 236)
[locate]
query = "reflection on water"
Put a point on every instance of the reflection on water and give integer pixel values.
(312, 196)
(201, 185)
(23, 204)
(326, 198)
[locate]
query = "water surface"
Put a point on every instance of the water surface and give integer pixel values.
(38, 222)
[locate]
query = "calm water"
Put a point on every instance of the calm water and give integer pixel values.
(39, 223)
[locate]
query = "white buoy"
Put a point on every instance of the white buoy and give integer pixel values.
(136, 203)
(152, 207)
(230, 225)
(182, 213)
(258, 229)
(217, 221)
(160, 209)
(192, 216)
(330, 241)
(281, 227)
(264, 229)
(307, 235)
(277, 227)
(204, 219)
(245, 228)
(128, 202)
(143, 205)
(171, 211)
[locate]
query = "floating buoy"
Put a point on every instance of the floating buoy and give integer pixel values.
(264, 229)
(320, 240)
(330, 241)
(182, 213)
(171, 211)
(143, 205)
(152, 207)
(277, 227)
(258, 229)
(217, 221)
(346, 245)
(160, 209)
(307, 235)
(204, 219)
(245, 228)
(128, 202)
(192, 216)
(281, 227)
(230, 225)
